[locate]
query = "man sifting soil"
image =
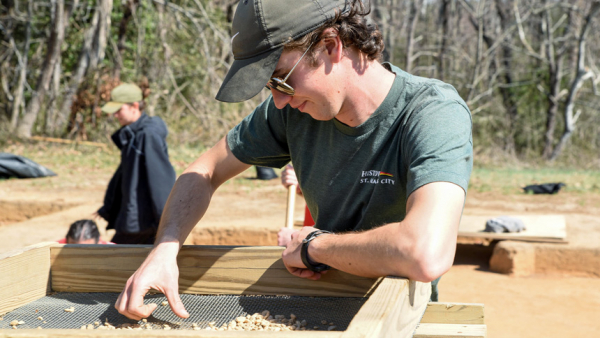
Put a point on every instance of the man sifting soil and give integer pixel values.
(383, 157)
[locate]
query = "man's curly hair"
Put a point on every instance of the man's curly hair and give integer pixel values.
(353, 30)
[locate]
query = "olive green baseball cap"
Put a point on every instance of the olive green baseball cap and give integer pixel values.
(259, 31)
(121, 94)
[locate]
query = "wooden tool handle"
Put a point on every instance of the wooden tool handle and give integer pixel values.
(289, 214)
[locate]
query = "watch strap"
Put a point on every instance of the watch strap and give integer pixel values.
(310, 265)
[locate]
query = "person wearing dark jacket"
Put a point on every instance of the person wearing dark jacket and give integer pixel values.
(139, 189)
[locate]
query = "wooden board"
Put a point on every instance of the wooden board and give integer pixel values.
(450, 330)
(454, 313)
(24, 276)
(202, 270)
(161, 334)
(539, 228)
(393, 310)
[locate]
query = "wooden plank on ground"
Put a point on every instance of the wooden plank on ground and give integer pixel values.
(24, 275)
(539, 228)
(450, 331)
(202, 270)
(393, 310)
(74, 333)
(453, 313)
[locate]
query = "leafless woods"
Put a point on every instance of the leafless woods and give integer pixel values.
(529, 69)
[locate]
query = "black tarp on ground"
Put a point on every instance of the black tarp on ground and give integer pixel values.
(546, 188)
(21, 167)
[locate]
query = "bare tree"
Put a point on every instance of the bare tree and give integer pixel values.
(582, 74)
(18, 102)
(92, 52)
(415, 8)
(25, 126)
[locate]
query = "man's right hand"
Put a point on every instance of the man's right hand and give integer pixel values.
(160, 272)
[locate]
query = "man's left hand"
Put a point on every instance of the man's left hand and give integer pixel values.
(292, 259)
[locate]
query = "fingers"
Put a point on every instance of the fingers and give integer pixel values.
(305, 273)
(288, 177)
(131, 303)
(176, 303)
(284, 236)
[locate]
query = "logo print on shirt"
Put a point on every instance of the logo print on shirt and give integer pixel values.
(376, 177)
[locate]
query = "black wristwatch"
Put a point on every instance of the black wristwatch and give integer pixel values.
(310, 265)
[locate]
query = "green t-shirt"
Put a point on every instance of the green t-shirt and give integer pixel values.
(358, 178)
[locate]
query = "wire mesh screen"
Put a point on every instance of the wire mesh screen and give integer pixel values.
(54, 311)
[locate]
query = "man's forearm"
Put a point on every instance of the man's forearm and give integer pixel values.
(193, 190)
(373, 253)
(421, 247)
(186, 205)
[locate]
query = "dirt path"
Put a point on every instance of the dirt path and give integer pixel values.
(249, 212)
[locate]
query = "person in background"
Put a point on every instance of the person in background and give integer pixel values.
(84, 231)
(139, 189)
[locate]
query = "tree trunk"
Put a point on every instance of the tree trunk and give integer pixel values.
(127, 13)
(582, 75)
(18, 94)
(92, 53)
(414, 17)
(53, 50)
(555, 70)
(445, 18)
(80, 70)
(50, 126)
(508, 99)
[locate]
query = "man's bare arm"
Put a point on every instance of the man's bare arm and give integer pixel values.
(186, 205)
(421, 247)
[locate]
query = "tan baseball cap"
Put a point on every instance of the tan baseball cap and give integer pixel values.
(121, 94)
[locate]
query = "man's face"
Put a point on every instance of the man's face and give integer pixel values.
(315, 87)
(128, 114)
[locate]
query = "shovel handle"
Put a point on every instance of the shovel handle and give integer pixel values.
(289, 214)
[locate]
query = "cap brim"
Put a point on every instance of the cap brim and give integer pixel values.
(248, 77)
(112, 107)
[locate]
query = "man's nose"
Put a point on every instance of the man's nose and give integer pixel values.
(281, 100)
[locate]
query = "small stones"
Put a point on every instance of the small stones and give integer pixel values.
(164, 303)
(71, 309)
(331, 328)
(40, 318)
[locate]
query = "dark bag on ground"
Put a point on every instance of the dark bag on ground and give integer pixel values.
(264, 173)
(21, 167)
(546, 188)
(504, 224)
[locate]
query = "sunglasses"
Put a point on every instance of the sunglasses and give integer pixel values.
(279, 84)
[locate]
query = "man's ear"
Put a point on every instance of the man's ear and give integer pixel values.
(333, 44)
(135, 105)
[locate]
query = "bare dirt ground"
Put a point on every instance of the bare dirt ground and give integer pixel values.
(249, 212)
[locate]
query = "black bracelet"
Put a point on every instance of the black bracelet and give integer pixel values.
(310, 265)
